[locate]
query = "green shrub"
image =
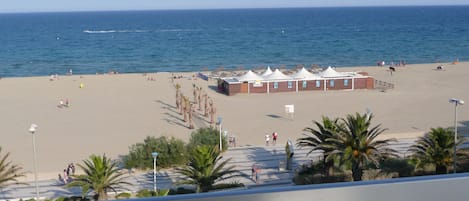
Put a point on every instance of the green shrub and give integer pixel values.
(313, 174)
(400, 166)
(181, 190)
(171, 152)
(60, 199)
(150, 193)
(123, 195)
(227, 186)
(206, 136)
(163, 192)
(145, 193)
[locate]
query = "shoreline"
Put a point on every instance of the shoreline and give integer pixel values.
(112, 112)
(234, 69)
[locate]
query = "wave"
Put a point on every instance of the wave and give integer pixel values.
(177, 30)
(113, 31)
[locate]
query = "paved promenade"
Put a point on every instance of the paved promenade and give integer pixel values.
(271, 160)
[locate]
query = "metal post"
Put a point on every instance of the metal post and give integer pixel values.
(221, 146)
(455, 135)
(219, 123)
(456, 103)
(154, 154)
(32, 129)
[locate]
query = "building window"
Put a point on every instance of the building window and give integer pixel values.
(304, 84)
(331, 83)
(275, 85)
(290, 84)
(318, 83)
(345, 83)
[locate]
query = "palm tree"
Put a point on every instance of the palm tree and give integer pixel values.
(190, 113)
(101, 175)
(355, 144)
(178, 95)
(436, 148)
(206, 168)
(316, 139)
(9, 173)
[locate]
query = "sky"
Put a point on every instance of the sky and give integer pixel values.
(7, 6)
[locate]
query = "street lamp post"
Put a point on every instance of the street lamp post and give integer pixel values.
(154, 154)
(219, 123)
(32, 129)
(456, 103)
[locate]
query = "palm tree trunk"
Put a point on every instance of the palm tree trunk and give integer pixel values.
(441, 169)
(357, 171)
(101, 194)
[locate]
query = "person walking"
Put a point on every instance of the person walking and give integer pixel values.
(267, 139)
(274, 138)
(255, 173)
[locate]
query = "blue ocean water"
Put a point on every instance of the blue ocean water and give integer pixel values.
(189, 40)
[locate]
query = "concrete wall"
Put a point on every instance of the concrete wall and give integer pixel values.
(425, 188)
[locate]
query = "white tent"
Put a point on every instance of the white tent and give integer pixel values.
(303, 74)
(267, 72)
(329, 73)
(249, 76)
(277, 75)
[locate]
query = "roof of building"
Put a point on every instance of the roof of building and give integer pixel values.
(329, 72)
(277, 75)
(304, 74)
(249, 76)
(267, 72)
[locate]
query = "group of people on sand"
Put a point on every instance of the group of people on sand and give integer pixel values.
(274, 139)
(70, 170)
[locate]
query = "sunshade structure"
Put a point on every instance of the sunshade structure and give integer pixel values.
(267, 72)
(249, 76)
(304, 74)
(277, 75)
(303, 80)
(329, 72)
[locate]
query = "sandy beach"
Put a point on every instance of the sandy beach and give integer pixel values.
(112, 112)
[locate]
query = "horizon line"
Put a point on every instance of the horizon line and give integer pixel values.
(222, 8)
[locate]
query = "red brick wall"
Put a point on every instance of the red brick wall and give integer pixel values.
(310, 85)
(339, 84)
(233, 89)
(282, 87)
(360, 83)
(370, 83)
(262, 89)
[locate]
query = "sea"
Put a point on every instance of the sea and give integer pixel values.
(40, 44)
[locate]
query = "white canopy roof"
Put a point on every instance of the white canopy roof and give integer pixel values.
(329, 72)
(249, 76)
(267, 72)
(277, 75)
(304, 74)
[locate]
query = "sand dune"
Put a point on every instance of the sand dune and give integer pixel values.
(112, 112)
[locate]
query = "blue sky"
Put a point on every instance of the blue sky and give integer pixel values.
(94, 5)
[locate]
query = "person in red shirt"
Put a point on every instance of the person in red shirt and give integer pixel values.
(274, 138)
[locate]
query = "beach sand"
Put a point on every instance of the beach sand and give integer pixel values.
(112, 112)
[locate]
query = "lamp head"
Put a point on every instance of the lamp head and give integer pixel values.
(456, 101)
(32, 128)
(154, 154)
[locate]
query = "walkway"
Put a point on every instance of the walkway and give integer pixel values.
(270, 159)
